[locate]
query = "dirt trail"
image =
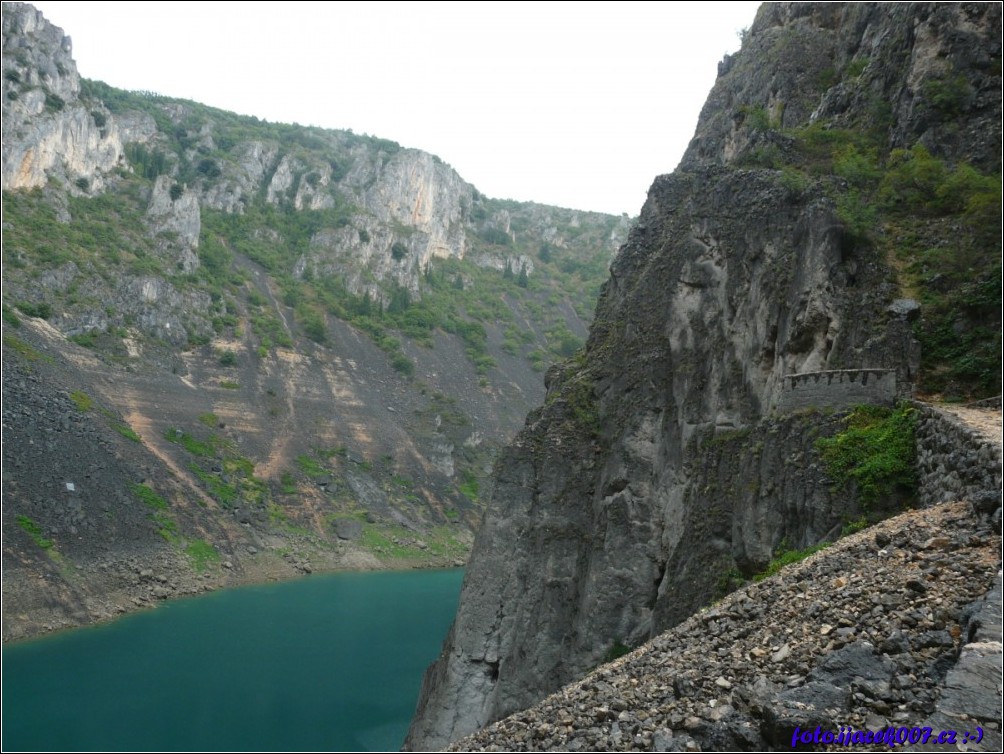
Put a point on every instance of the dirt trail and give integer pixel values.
(280, 454)
(143, 427)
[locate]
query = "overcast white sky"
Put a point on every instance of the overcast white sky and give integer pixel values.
(575, 104)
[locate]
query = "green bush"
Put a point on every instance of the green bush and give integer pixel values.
(469, 486)
(87, 339)
(42, 310)
(311, 466)
(209, 168)
(202, 554)
(127, 432)
(287, 484)
(53, 102)
(876, 452)
(861, 169)
(787, 557)
(193, 445)
(83, 401)
(496, 236)
(148, 497)
(34, 531)
(949, 95)
(617, 649)
(10, 317)
(16, 344)
(403, 364)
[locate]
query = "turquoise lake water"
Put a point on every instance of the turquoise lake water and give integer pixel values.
(326, 663)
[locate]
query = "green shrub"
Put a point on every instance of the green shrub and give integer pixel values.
(949, 95)
(209, 168)
(83, 401)
(53, 102)
(87, 339)
(787, 557)
(10, 317)
(311, 466)
(858, 215)
(202, 554)
(912, 180)
(403, 364)
(34, 531)
(42, 310)
(127, 432)
(758, 120)
(287, 484)
(148, 497)
(496, 236)
(224, 493)
(855, 68)
(193, 445)
(852, 527)
(876, 452)
(617, 649)
(861, 169)
(15, 343)
(469, 486)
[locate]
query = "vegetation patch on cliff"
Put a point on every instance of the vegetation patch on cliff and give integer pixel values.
(34, 531)
(876, 452)
(785, 556)
(935, 221)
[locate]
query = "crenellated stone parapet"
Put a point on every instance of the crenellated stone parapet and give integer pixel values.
(838, 389)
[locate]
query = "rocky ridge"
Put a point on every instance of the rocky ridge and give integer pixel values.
(309, 344)
(861, 634)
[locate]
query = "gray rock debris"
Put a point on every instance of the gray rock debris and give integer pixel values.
(668, 693)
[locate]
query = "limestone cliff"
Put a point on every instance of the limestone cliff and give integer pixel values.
(615, 512)
(47, 130)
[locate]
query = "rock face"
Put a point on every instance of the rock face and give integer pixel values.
(607, 523)
(391, 211)
(348, 328)
(46, 129)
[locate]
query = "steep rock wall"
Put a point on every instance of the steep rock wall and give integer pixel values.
(602, 526)
(46, 130)
(597, 530)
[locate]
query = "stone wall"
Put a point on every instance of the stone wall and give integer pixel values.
(837, 389)
(956, 463)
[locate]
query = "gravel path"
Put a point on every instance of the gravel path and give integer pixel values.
(985, 421)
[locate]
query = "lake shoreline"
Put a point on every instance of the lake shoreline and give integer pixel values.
(250, 570)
